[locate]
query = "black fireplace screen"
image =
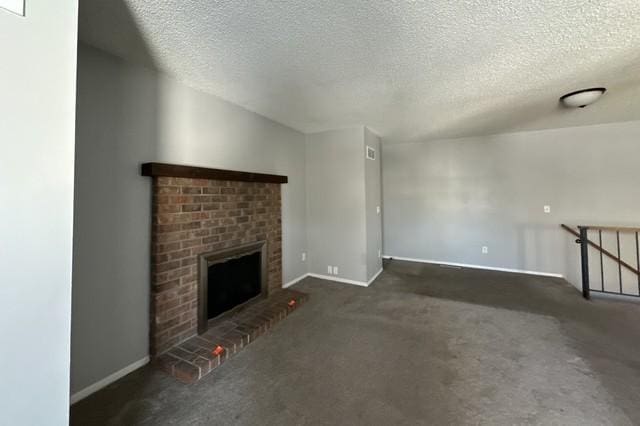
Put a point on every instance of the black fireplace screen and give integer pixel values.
(230, 277)
(232, 283)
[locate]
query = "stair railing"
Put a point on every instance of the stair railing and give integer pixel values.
(584, 242)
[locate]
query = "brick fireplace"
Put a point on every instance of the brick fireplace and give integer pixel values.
(199, 211)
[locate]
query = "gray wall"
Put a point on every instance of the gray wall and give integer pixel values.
(128, 115)
(373, 183)
(446, 199)
(37, 114)
(336, 203)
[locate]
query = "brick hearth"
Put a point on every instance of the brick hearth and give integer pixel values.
(195, 216)
(195, 358)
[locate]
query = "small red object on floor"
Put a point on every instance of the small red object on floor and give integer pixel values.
(218, 350)
(292, 303)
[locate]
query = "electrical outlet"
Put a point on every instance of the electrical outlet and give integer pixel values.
(485, 249)
(547, 209)
(378, 209)
(379, 253)
(330, 269)
(304, 256)
(335, 270)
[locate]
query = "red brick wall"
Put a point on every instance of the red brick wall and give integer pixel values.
(194, 216)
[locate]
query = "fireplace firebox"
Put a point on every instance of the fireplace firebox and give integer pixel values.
(230, 279)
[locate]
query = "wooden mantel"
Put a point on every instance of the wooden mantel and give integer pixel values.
(174, 170)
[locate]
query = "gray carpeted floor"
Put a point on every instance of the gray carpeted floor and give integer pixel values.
(422, 345)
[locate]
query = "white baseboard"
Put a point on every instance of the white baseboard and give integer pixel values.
(374, 277)
(295, 281)
(464, 265)
(332, 278)
(619, 297)
(337, 279)
(82, 394)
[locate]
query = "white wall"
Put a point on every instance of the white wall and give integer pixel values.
(373, 184)
(128, 115)
(336, 225)
(37, 115)
(444, 200)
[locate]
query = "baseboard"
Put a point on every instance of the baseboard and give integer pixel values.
(374, 277)
(332, 278)
(465, 265)
(295, 281)
(337, 279)
(82, 394)
(619, 297)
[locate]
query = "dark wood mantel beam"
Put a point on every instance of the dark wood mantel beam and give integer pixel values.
(174, 170)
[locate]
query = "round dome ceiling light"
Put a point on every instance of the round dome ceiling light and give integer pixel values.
(582, 98)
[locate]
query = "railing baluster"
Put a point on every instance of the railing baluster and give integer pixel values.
(619, 264)
(601, 262)
(584, 257)
(583, 240)
(638, 261)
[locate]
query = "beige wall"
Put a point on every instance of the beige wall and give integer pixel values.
(37, 116)
(444, 200)
(343, 190)
(128, 115)
(373, 184)
(336, 203)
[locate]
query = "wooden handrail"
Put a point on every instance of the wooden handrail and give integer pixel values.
(626, 229)
(601, 249)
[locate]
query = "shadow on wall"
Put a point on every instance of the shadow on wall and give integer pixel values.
(538, 246)
(572, 260)
(116, 129)
(114, 17)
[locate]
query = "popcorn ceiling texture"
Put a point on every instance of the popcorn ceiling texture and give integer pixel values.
(409, 70)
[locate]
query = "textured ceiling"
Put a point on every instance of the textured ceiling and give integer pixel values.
(409, 70)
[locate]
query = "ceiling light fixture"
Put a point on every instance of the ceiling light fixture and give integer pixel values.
(582, 98)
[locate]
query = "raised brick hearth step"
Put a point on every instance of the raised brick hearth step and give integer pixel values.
(195, 358)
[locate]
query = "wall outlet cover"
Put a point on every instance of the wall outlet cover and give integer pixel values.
(330, 269)
(304, 256)
(485, 249)
(547, 209)
(371, 153)
(335, 270)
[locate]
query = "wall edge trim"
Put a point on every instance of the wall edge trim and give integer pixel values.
(471, 266)
(102, 383)
(295, 281)
(339, 280)
(375, 276)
